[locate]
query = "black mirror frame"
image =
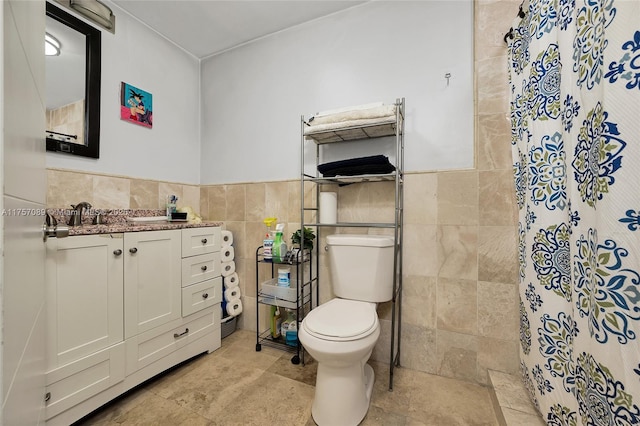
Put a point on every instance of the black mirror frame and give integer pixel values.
(91, 146)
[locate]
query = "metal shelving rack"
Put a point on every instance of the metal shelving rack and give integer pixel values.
(355, 133)
(302, 303)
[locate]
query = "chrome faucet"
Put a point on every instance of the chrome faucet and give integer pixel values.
(75, 219)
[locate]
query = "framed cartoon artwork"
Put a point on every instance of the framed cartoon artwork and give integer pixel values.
(136, 105)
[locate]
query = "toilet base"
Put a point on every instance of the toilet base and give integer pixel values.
(345, 398)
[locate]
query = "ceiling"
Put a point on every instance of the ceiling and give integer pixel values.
(206, 27)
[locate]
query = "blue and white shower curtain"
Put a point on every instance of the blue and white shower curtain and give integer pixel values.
(574, 73)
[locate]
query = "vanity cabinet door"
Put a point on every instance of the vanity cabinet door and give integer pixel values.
(84, 278)
(152, 280)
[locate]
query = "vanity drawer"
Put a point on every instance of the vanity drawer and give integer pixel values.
(75, 382)
(155, 344)
(197, 241)
(200, 268)
(200, 296)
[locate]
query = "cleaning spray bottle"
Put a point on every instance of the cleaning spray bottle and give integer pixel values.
(279, 245)
(267, 243)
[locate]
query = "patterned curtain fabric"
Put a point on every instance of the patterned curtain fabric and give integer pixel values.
(574, 73)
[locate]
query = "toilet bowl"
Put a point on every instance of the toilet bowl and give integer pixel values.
(340, 336)
(341, 333)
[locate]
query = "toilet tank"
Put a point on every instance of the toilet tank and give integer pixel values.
(361, 266)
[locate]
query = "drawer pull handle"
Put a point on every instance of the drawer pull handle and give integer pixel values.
(206, 295)
(176, 335)
(133, 250)
(117, 252)
(204, 267)
(203, 241)
(47, 397)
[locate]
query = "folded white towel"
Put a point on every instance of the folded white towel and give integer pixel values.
(375, 112)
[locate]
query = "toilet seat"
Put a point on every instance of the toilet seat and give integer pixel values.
(342, 320)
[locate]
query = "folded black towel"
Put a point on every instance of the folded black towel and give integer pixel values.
(373, 165)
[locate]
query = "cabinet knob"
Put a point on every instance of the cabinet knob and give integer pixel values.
(117, 252)
(204, 268)
(206, 295)
(133, 250)
(203, 241)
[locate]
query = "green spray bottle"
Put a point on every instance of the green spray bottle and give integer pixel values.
(279, 250)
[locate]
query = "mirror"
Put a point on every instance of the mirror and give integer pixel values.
(73, 85)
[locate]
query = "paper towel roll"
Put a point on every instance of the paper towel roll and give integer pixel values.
(227, 238)
(234, 308)
(231, 281)
(232, 294)
(228, 268)
(227, 254)
(328, 207)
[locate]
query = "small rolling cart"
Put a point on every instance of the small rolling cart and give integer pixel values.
(299, 297)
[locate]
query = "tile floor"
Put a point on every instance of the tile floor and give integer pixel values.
(236, 385)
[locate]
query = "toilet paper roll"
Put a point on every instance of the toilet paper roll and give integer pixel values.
(232, 294)
(231, 281)
(227, 253)
(234, 308)
(228, 268)
(328, 207)
(227, 238)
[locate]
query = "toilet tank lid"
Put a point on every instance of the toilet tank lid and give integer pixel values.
(363, 240)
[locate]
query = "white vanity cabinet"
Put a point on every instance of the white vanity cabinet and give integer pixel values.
(85, 341)
(124, 307)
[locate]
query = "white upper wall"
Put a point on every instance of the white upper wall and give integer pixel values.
(170, 150)
(253, 96)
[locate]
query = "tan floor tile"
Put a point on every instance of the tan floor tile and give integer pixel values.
(376, 416)
(243, 351)
(269, 400)
(116, 408)
(397, 400)
(301, 373)
(207, 390)
(159, 411)
(440, 401)
(237, 386)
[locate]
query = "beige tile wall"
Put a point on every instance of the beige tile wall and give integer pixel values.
(460, 313)
(66, 187)
(68, 119)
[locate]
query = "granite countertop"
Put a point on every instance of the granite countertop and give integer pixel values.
(116, 221)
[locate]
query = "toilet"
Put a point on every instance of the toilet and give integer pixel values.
(340, 334)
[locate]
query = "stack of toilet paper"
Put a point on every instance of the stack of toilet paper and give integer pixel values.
(232, 303)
